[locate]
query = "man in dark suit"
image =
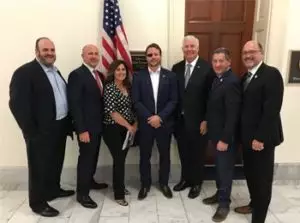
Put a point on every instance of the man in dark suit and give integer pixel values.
(38, 101)
(222, 117)
(154, 93)
(85, 91)
(261, 129)
(194, 77)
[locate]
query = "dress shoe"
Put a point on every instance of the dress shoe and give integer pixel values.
(221, 214)
(181, 186)
(244, 209)
(98, 186)
(143, 193)
(194, 191)
(211, 200)
(165, 189)
(86, 201)
(122, 202)
(61, 193)
(46, 211)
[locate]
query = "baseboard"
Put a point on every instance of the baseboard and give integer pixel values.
(288, 173)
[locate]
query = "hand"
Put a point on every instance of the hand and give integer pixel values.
(154, 121)
(84, 137)
(132, 129)
(257, 145)
(222, 146)
(203, 127)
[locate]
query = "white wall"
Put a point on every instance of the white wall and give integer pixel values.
(73, 23)
(284, 36)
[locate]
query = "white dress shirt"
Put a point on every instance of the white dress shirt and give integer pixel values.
(154, 75)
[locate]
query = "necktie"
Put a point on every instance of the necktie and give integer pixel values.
(98, 81)
(247, 81)
(187, 74)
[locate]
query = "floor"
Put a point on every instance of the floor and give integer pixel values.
(285, 206)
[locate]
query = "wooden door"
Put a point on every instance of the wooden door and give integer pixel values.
(220, 23)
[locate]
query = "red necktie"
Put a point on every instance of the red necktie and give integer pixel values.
(98, 81)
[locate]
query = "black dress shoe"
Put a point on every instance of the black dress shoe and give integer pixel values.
(181, 186)
(221, 214)
(143, 193)
(65, 193)
(211, 200)
(194, 191)
(61, 193)
(165, 189)
(98, 186)
(46, 211)
(86, 201)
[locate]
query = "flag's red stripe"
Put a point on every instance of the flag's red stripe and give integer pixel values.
(108, 49)
(105, 63)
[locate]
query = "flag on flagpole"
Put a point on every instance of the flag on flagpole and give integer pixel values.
(114, 44)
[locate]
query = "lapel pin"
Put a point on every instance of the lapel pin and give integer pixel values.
(221, 79)
(255, 76)
(198, 66)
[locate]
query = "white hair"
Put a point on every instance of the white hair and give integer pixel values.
(192, 38)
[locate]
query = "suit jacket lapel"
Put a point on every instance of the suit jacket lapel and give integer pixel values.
(255, 77)
(43, 77)
(197, 66)
(162, 77)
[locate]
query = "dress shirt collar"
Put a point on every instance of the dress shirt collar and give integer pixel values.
(45, 68)
(154, 72)
(193, 63)
(254, 69)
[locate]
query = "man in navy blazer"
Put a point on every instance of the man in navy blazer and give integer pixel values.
(38, 101)
(154, 93)
(85, 93)
(222, 117)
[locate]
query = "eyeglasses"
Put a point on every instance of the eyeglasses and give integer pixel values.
(250, 52)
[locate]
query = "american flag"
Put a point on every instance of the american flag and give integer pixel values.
(114, 44)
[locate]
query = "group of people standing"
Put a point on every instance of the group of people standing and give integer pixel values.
(197, 101)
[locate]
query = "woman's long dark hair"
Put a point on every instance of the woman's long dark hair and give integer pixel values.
(111, 73)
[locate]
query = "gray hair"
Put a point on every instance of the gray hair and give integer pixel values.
(192, 38)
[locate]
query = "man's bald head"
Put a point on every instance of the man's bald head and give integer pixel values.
(252, 54)
(90, 55)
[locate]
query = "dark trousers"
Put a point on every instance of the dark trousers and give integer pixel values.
(87, 163)
(114, 136)
(225, 168)
(259, 168)
(192, 149)
(146, 140)
(45, 154)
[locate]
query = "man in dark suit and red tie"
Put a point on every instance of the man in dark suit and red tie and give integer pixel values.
(38, 101)
(154, 93)
(194, 77)
(261, 129)
(85, 94)
(223, 110)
